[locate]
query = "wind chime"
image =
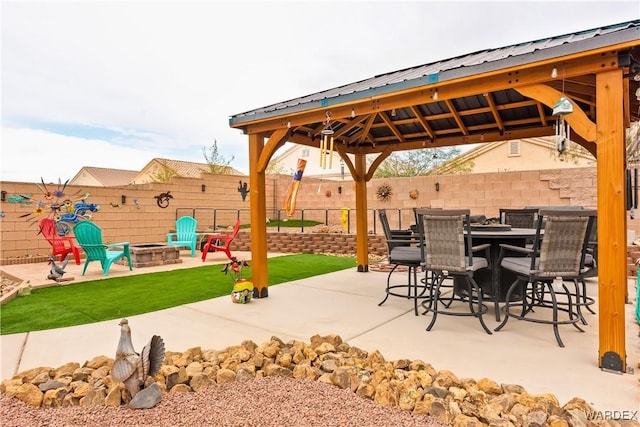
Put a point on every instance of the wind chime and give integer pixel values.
(563, 131)
(326, 143)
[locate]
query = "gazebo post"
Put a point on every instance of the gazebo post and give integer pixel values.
(362, 236)
(258, 202)
(612, 223)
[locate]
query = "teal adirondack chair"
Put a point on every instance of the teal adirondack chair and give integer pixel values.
(185, 235)
(89, 237)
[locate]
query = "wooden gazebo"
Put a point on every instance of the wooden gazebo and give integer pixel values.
(491, 95)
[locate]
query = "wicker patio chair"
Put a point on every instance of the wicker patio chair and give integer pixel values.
(447, 253)
(561, 256)
(519, 218)
(402, 250)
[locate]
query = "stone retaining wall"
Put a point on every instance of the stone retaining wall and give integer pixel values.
(312, 243)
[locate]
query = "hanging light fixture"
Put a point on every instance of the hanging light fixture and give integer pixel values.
(435, 95)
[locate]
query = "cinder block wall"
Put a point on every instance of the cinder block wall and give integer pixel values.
(146, 222)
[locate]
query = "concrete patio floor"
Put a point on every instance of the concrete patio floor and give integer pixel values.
(346, 303)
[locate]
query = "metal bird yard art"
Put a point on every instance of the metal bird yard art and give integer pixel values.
(132, 368)
(57, 271)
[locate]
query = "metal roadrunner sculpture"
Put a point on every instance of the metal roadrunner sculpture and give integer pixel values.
(132, 368)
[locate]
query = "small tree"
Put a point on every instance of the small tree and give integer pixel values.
(165, 173)
(418, 162)
(275, 167)
(216, 161)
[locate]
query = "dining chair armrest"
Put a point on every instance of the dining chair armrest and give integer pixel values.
(403, 242)
(519, 249)
(486, 247)
(480, 247)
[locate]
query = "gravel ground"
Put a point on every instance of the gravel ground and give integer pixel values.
(271, 401)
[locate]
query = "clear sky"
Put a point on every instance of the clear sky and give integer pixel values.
(117, 83)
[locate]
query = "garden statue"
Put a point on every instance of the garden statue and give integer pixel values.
(57, 271)
(132, 368)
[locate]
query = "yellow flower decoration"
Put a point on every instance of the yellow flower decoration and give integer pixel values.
(38, 211)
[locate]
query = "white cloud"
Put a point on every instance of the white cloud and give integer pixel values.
(35, 154)
(167, 75)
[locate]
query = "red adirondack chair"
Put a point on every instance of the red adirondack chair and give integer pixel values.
(220, 242)
(62, 245)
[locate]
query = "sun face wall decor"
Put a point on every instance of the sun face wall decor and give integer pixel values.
(383, 192)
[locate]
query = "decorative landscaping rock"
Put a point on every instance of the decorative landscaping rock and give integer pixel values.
(411, 385)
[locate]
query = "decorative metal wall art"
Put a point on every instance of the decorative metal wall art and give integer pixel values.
(383, 192)
(58, 205)
(162, 199)
(243, 189)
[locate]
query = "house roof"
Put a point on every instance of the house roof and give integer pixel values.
(108, 177)
(188, 169)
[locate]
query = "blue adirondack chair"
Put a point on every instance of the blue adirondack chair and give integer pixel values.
(89, 237)
(185, 235)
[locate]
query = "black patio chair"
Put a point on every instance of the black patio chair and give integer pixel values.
(447, 253)
(402, 250)
(559, 255)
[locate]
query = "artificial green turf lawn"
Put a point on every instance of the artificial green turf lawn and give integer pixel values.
(95, 301)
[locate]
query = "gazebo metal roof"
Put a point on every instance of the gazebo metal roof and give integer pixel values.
(493, 114)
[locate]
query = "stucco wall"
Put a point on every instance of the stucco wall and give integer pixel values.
(146, 222)
(531, 156)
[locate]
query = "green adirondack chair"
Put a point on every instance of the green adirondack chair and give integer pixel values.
(89, 237)
(185, 235)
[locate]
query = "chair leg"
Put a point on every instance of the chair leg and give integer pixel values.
(205, 250)
(585, 299)
(496, 293)
(85, 267)
(388, 281)
(506, 306)
(76, 255)
(474, 285)
(414, 269)
(435, 297)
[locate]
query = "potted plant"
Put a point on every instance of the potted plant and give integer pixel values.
(242, 288)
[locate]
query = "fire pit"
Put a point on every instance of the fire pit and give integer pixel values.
(152, 254)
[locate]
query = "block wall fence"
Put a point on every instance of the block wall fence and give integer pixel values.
(141, 220)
